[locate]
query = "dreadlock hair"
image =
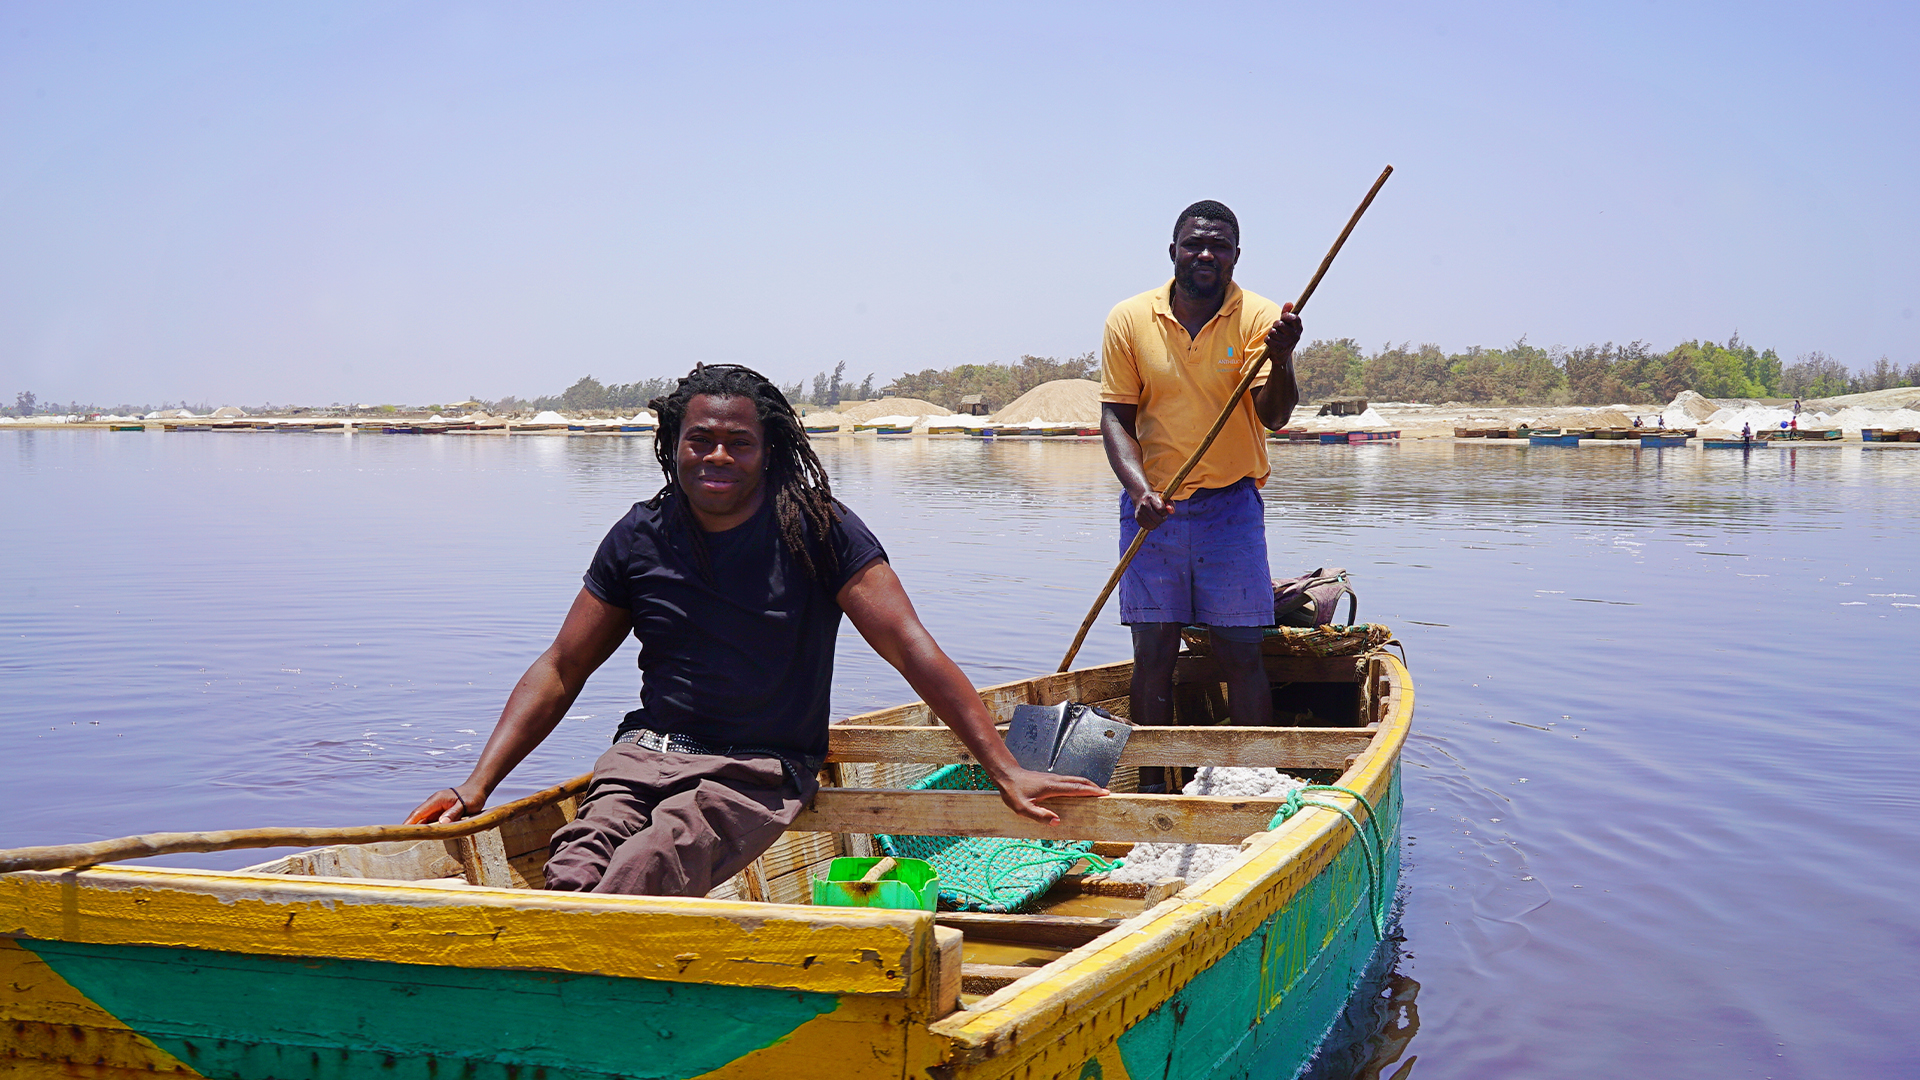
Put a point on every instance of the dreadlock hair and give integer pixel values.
(1210, 211)
(795, 479)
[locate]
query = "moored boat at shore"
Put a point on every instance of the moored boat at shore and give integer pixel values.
(443, 956)
(1553, 440)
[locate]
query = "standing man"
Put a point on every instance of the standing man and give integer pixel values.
(733, 578)
(1170, 362)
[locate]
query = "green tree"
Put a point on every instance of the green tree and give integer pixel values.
(588, 393)
(1405, 374)
(1814, 375)
(1733, 370)
(1327, 369)
(1884, 375)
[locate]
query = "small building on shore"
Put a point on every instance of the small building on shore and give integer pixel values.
(1343, 406)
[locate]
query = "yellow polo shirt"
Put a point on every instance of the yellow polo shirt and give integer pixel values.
(1181, 383)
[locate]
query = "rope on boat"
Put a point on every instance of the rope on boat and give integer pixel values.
(1371, 845)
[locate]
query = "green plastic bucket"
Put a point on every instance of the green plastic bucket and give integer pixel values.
(911, 885)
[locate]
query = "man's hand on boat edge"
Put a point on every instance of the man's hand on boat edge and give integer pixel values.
(1023, 789)
(447, 804)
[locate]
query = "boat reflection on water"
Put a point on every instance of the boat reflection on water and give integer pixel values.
(1380, 1021)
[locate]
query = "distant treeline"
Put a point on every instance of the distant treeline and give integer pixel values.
(1524, 374)
(997, 383)
(1520, 374)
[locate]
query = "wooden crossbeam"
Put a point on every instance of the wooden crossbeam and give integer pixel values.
(1049, 931)
(1285, 748)
(1183, 819)
(987, 978)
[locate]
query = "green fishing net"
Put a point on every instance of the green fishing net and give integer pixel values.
(988, 873)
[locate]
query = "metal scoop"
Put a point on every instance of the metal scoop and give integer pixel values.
(1068, 738)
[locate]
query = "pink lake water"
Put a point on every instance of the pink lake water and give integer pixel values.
(1661, 801)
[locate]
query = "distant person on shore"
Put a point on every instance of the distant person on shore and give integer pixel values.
(1746, 432)
(1636, 421)
(1170, 361)
(733, 578)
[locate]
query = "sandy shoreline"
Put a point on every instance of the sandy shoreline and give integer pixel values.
(1896, 409)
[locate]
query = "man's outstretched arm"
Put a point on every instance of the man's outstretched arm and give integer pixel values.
(592, 631)
(880, 610)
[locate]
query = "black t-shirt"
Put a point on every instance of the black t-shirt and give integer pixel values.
(740, 657)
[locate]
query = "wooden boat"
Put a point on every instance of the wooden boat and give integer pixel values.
(1372, 436)
(1908, 435)
(1613, 433)
(1333, 438)
(1660, 441)
(126, 427)
(823, 429)
(1553, 440)
(1873, 434)
(981, 432)
(443, 957)
(638, 429)
(1731, 444)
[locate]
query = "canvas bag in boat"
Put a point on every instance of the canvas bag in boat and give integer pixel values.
(1312, 598)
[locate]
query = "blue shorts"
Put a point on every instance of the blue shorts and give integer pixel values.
(1205, 565)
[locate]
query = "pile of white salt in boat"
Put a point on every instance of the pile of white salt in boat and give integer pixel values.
(1157, 862)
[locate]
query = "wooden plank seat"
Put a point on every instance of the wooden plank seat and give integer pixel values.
(1184, 819)
(1278, 747)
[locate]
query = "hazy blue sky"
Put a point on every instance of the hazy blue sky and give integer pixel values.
(418, 202)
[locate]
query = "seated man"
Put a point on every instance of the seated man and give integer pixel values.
(733, 579)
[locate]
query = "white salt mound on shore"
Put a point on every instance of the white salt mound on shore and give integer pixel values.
(1157, 862)
(898, 407)
(1062, 401)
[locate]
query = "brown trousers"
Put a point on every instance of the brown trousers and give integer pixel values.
(668, 824)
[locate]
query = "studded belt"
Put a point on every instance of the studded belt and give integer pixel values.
(664, 742)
